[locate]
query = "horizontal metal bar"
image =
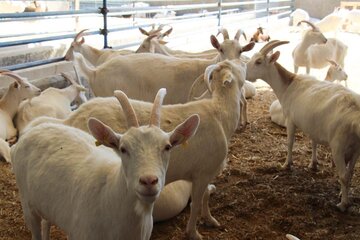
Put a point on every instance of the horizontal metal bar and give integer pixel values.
(34, 64)
(44, 39)
(47, 14)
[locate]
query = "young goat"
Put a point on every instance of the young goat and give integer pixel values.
(18, 91)
(304, 98)
(106, 194)
(314, 50)
(52, 102)
(219, 117)
(335, 72)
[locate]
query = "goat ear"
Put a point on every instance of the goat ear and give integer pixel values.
(214, 42)
(248, 47)
(82, 40)
(143, 31)
(103, 134)
(274, 57)
(162, 42)
(185, 130)
(227, 78)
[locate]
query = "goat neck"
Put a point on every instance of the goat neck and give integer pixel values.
(11, 100)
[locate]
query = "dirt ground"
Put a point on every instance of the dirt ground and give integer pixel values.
(255, 199)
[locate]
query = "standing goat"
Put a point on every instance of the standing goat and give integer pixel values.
(93, 55)
(106, 194)
(18, 91)
(219, 117)
(335, 72)
(140, 75)
(52, 102)
(314, 50)
(304, 98)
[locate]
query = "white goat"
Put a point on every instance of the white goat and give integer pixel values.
(140, 75)
(304, 98)
(299, 15)
(335, 72)
(314, 50)
(219, 117)
(52, 102)
(18, 91)
(154, 44)
(106, 194)
(352, 21)
(93, 55)
(330, 23)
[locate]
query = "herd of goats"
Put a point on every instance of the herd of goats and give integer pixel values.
(118, 162)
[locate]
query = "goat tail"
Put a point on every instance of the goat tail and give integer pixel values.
(5, 150)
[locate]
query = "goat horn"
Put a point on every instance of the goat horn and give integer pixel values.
(271, 45)
(16, 77)
(238, 34)
(310, 23)
(207, 74)
(155, 112)
(79, 34)
(127, 109)
(224, 32)
(332, 62)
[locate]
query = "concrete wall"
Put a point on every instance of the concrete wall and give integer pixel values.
(319, 8)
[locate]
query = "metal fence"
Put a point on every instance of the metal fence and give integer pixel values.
(137, 14)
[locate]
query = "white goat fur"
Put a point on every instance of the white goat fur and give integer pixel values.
(304, 98)
(106, 194)
(299, 15)
(314, 50)
(19, 90)
(335, 72)
(140, 75)
(219, 117)
(52, 102)
(93, 55)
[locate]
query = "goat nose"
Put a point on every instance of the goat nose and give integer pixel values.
(148, 180)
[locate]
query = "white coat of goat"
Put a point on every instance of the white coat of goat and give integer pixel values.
(106, 194)
(335, 72)
(219, 117)
(140, 75)
(18, 91)
(52, 102)
(304, 98)
(93, 55)
(314, 50)
(299, 15)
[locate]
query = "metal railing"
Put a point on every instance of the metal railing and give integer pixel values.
(217, 9)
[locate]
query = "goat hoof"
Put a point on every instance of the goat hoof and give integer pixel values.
(12, 140)
(342, 206)
(195, 235)
(286, 166)
(212, 222)
(313, 167)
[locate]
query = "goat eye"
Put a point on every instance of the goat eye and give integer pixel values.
(258, 62)
(27, 86)
(123, 150)
(167, 147)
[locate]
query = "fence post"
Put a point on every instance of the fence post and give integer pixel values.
(267, 10)
(104, 10)
(219, 16)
